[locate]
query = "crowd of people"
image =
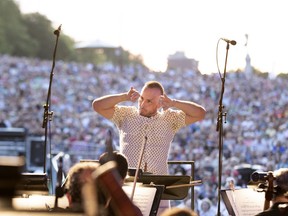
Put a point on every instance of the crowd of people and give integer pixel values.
(255, 127)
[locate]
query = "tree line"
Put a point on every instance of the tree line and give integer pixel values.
(31, 35)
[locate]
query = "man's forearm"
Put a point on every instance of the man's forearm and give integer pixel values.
(190, 108)
(109, 101)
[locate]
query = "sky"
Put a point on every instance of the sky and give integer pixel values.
(156, 29)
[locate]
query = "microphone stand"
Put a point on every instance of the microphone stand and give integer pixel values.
(48, 114)
(220, 129)
(59, 191)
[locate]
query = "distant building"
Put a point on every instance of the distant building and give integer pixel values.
(180, 62)
(248, 67)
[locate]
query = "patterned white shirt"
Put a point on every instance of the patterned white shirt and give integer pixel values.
(159, 131)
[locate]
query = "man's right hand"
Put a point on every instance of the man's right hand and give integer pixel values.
(133, 94)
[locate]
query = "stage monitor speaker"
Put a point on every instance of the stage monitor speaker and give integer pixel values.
(12, 141)
(35, 154)
(15, 134)
(10, 171)
(33, 183)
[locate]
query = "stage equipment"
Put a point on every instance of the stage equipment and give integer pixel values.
(192, 165)
(34, 154)
(221, 115)
(176, 186)
(10, 171)
(232, 42)
(47, 115)
(32, 183)
(12, 141)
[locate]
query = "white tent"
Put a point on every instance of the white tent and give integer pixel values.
(94, 44)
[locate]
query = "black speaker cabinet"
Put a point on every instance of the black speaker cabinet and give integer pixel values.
(35, 154)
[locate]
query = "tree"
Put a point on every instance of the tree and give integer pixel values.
(40, 30)
(14, 37)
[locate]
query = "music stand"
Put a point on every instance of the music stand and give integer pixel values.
(177, 193)
(157, 199)
(147, 197)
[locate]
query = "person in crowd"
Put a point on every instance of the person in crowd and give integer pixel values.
(280, 197)
(206, 208)
(147, 131)
(253, 133)
(4, 123)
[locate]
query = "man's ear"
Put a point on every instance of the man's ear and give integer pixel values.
(159, 105)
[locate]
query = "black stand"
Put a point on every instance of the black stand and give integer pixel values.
(48, 114)
(59, 191)
(171, 183)
(220, 129)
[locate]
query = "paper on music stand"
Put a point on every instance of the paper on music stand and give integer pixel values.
(243, 202)
(143, 197)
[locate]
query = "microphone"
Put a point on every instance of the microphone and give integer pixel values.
(232, 42)
(57, 32)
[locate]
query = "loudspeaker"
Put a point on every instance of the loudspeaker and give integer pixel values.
(32, 183)
(10, 171)
(12, 141)
(35, 153)
(14, 134)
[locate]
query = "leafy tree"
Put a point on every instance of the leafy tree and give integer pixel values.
(40, 30)
(14, 37)
(66, 48)
(32, 35)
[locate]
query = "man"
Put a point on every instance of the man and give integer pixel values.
(112, 205)
(121, 161)
(280, 197)
(79, 175)
(147, 132)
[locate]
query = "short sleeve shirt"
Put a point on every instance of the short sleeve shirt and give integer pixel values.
(153, 134)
